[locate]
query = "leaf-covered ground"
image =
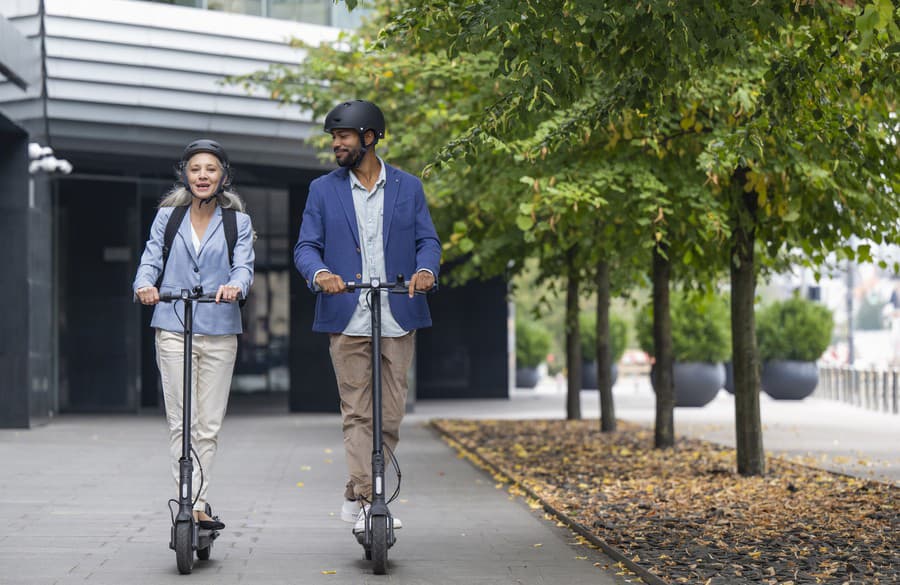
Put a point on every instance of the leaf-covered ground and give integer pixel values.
(685, 514)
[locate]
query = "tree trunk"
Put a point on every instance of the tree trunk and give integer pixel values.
(604, 351)
(745, 355)
(663, 382)
(573, 343)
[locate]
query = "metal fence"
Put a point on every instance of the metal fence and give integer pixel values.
(872, 389)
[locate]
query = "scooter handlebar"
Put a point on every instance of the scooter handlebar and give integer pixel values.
(399, 287)
(185, 294)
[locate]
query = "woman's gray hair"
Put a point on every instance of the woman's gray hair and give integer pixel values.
(179, 196)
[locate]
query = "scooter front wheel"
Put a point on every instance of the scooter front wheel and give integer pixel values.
(379, 544)
(184, 551)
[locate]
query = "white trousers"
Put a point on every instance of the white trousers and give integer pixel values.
(211, 367)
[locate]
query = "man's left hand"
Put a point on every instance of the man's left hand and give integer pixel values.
(422, 280)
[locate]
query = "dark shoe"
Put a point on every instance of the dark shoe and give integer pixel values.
(213, 524)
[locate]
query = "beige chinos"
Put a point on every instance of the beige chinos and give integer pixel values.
(352, 360)
(212, 364)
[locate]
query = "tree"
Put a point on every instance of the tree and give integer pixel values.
(776, 94)
(764, 128)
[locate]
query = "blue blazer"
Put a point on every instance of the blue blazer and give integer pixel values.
(329, 240)
(187, 269)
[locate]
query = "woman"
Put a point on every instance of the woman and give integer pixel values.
(198, 256)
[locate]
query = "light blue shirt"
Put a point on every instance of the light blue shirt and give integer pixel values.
(369, 206)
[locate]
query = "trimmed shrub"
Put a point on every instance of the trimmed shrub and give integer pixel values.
(533, 342)
(701, 330)
(795, 329)
(618, 332)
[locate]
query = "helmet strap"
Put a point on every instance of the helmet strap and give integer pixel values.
(363, 149)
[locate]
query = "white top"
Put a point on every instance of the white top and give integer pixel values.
(195, 240)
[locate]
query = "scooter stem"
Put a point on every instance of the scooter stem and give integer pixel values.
(377, 443)
(185, 464)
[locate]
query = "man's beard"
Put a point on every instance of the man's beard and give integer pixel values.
(354, 155)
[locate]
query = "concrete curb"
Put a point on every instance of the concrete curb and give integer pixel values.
(572, 524)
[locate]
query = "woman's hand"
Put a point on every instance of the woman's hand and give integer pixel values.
(148, 295)
(228, 293)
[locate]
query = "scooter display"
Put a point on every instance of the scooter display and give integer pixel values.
(187, 536)
(378, 535)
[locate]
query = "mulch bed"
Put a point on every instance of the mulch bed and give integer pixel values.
(685, 515)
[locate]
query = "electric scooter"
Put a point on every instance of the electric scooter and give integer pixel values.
(378, 535)
(187, 536)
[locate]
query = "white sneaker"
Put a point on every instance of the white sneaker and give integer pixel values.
(360, 525)
(349, 510)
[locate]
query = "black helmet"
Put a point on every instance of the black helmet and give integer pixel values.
(358, 115)
(205, 145)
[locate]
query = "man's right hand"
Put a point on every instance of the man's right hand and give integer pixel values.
(330, 283)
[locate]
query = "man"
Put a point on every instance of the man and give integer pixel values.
(366, 219)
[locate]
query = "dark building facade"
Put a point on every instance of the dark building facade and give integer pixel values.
(117, 88)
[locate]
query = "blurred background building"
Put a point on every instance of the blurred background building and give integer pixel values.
(116, 88)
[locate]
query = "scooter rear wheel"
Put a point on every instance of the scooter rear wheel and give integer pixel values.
(184, 553)
(379, 544)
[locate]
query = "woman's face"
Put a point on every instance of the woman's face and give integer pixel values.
(204, 171)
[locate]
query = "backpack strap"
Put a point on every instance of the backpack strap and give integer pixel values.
(229, 224)
(172, 226)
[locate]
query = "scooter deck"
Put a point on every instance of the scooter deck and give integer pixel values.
(204, 537)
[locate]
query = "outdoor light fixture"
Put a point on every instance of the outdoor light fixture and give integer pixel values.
(42, 159)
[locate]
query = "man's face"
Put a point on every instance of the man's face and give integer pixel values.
(346, 146)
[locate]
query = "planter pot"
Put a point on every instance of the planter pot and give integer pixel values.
(696, 383)
(527, 377)
(789, 380)
(729, 377)
(589, 375)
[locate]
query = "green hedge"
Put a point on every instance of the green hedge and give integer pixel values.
(618, 332)
(533, 342)
(796, 329)
(701, 330)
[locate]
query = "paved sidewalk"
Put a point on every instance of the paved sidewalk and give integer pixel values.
(83, 500)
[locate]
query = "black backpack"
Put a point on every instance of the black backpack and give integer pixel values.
(229, 224)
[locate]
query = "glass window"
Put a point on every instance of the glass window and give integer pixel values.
(311, 11)
(254, 7)
(341, 17)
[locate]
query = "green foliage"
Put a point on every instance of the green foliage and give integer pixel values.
(532, 343)
(701, 330)
(795, 329)
(618, 333)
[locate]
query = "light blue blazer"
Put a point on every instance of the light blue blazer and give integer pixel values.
(187, 269)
